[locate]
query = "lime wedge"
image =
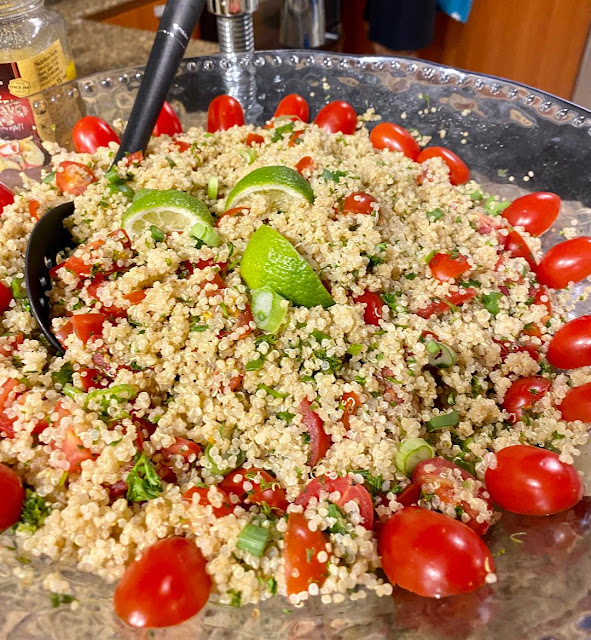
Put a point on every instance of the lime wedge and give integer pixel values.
(270, 260)
(168, 210)
(275, 183)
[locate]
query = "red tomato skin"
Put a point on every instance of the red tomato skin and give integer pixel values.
(89, 378)
(393, 137)
(219, 512)
(523, 394)
(13, 495)
(253, 138)
(87, 325)
(183, 447)
(517, 247)
(569, 261)
(535, 212)
(320, 441)
(458, 170)
(6, 197)
(533, 482)
(433, 555)
(167, 585)
(230, 213)
(351, 403)
(570, 347)
(577, 404)
(73, 178)
(298, 541)
(409, 495)
(445, 268)
(168, 122)
(439, 307)
(373, 307)
(224, 112)
(90, 133)
(5, 297)
(337, 117)
(293, 105)
(359, 202)
(268, 490)
(305, 164)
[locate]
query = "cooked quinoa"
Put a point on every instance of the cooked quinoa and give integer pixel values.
(200, 370)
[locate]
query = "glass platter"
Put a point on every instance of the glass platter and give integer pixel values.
(510, 130)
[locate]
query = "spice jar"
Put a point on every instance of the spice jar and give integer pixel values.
(34, 56)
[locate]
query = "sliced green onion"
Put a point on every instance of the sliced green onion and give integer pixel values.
(255, 365)
(103, 397)
(253, 539)
(435, 215)
(270, 391)
(71, 391)
(440, 355)
(49, 178)
(476, 195)
(427, 259)
(248, 154)
(268, 309)
(491, 302)
(17, 287)
(411, 452)
(157, 233)
(443, 420)
(206, 233)
(319, 336)
(355, 349)
(212, 187)
(495, 207)
(223, 471)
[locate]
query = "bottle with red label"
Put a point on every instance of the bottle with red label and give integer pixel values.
(34, 56)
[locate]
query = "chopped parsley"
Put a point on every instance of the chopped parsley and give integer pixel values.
(142, 481)
(34, 512)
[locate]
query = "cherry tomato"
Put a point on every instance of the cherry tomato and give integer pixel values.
(409, 495)
(458, 171)
(90, 378)
(86, 325)
(167, 585)
(351, 403)
(33, 207)
(183, 447)
(450, 481)
(302, 546)
(90, 133)
(13, 495)
(337, 117)
(73, 178)
(349, 492)
(443, 306)
(293, 105)
(535, 212)
(135, 158)
(320, 441)
(359, 202)
(74, 450)
(224, 112)
(306, 164)
(6, 196)
(517, 247)
(577, 404)
(532, 481)
(393, 137)
(202, 492)
(445, 267)
(569, 261)
(433, 555)
(523, 394)
(541, 297)
(265, 488)
(168, 123)
(253, 138)
(570, 348)
(373, 307)
(5, 297)
(516, 347)
(135, 297)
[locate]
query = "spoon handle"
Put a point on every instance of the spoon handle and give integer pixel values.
(176, 26)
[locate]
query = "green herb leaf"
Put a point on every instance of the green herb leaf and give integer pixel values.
(57, 599)
(270, 391)
(355, 349)
(491, 302)
(340, 526)
(286, 415)
(279, 132)
(372, 483)
(64, 375)
(335, 176)
(156, 233)
(143, 483)
(33, 513)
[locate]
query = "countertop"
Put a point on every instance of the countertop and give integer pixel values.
(98, 46)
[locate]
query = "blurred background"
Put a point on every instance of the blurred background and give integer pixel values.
(544, 43)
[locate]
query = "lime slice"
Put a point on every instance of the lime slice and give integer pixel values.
(168, 210)
(270, 260)
(275, 183)
(206, 233)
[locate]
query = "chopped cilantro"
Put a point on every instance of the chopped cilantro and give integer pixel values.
(142, 481)
(34, 512)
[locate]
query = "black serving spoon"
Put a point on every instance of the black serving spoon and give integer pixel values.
(49, 236)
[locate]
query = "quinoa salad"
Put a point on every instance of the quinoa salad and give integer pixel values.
(179, 412)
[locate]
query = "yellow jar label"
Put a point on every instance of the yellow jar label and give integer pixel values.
(39, 72)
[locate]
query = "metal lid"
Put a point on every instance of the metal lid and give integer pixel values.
(231, 8)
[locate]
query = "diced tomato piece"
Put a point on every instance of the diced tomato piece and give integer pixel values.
(294, 137)
(265, 488)
(77, 265)
(34, 209)
(517, 247)
(133, 158)
(87, 325)
(409, 495)
(121, 235)
(144, 429)
(117, 489)
(234, 211)
(7, 393)
(515, 347)
(6, 422)
(234, 383)
(182, 447)
(9, 343)
(442, 306)
(219, 512)
(306, 164)
(181, 145)
(66, 330)
(73, 178)
(374, 304)
(5, 297)
(135, 297)
(320, 441)
(218, 281)
(253, 138)
(74, 450)
(243, 320)
(523, 394)
(351, 403)
(90, 378)
(542, 297)
(446, 267)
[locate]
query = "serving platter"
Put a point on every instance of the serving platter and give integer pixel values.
(515, 139)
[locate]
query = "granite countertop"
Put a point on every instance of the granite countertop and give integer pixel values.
(99, 46)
